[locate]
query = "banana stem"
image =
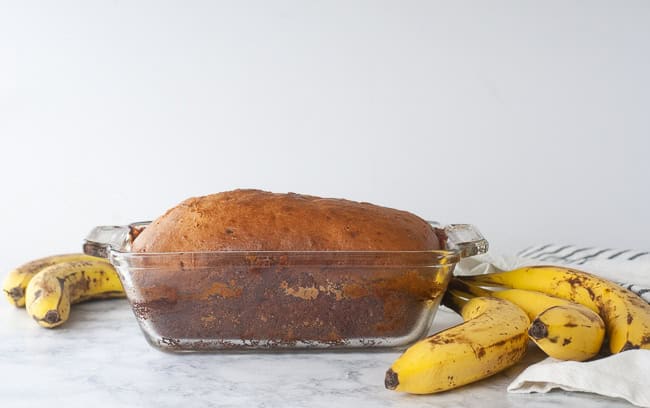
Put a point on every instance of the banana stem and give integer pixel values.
(482, 280)
(468, 289)
(454, 300)
(459, 292)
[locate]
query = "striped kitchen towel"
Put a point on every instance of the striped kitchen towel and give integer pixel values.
(581, 255)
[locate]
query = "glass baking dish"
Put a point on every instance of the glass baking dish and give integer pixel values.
(283, 300)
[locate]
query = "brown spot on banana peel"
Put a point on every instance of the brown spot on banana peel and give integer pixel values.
(16, 293)
(391, 380)
(566, 341)
(636, 300)
(513, 352)
(500, 343)
(79, 285)
(82, 285)
(511, 356)
(444, 339)
(629, 318)
(579, 282)
(592, 295)
(570, 324)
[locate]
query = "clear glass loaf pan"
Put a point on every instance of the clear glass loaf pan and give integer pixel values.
(283, 300)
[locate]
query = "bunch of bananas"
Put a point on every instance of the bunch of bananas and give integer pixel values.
(47, 287)
(562, 328)
(568, 313)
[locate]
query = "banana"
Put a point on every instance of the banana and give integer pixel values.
(626, 315)
(563, 329)
(16, 281)
(568, 333)
(51, 292)
(491, 338)
(531, 301)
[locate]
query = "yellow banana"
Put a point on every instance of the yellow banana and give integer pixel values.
(626, 315)
(51, 292)
(531, 301)
(568, 332)
(563, 329)
(491, 338)
(16, 281)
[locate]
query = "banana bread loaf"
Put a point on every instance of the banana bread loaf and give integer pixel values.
(279, 299)
(258, 220)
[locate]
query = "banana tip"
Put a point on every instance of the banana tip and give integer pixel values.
(538, 330)
(391, 381)
(52, 317)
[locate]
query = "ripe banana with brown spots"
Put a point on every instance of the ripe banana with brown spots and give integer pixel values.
(15, 283)
(563, 329)
(51, 292)
(491, 338)
(626, 315)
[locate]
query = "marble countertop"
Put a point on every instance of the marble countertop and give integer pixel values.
(100, 358)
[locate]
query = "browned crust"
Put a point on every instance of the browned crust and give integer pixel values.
(260, 220)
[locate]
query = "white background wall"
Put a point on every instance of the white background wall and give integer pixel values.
(529, 119)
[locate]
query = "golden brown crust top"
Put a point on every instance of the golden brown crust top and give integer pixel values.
(259, 220)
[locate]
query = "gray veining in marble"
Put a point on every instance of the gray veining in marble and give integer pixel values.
(100, 359)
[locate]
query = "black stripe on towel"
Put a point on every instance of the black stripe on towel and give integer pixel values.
(551, 253)
(588, 257)
(566, 257)
(640, 254)
(534, 250)
(619, 253)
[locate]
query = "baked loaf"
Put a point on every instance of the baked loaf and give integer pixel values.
(259, 220)
(245, 298)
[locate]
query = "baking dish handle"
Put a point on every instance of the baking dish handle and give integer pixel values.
(466, 239)
(102, 239)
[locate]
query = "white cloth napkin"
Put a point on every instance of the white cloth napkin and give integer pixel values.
(622, 375)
